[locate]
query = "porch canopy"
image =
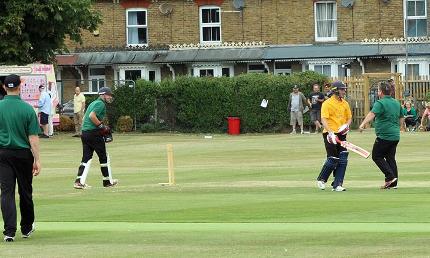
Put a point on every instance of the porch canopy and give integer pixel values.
(211, 55)
(300, 52)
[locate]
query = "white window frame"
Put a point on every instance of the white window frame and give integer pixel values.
(205, 25)
(136, 26)
(95, 77)
(281, 71)
(423, 62)
(256, 71)
(407, 18)
(144, 71)
(216, 67)
(325, 39)
(334, 69)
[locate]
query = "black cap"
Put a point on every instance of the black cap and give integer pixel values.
(105, 91)
(338, 85)
(12, 81)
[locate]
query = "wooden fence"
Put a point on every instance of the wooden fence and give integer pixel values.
(362, 91)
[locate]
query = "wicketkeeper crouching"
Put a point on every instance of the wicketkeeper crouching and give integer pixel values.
(94, 136)
(335, 117)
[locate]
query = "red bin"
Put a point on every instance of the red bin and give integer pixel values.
(233, 125)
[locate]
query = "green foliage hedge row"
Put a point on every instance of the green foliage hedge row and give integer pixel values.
(191, 104)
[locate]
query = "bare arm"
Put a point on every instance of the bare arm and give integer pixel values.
(370, 116)
(83, 106)
(94, 119)
(34, 143)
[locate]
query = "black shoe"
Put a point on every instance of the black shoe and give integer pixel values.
(43, 136)
(27, 235)
(106, 183)
(76, 135)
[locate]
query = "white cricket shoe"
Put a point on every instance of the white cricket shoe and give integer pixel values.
(339, 189)
(27, 235)
(321, 185)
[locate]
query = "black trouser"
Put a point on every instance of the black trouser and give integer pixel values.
(16, 165)
(384, 156)
(409, 121)
(94, 141)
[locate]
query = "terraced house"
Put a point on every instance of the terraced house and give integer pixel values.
(153, 40)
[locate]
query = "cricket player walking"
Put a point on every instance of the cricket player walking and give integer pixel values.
(94, 135)
(335, 117)
(388, 116)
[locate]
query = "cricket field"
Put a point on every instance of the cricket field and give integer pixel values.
(251, 195)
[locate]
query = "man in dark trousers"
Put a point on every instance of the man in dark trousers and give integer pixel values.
(19, 159)
(388, 116)
(315, 100)
(94, 135)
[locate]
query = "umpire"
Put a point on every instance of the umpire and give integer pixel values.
(19, 158)
(94, 135)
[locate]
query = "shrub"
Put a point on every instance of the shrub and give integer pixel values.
(124, 124)
(66, 124)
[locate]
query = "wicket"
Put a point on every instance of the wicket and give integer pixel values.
(171, 172)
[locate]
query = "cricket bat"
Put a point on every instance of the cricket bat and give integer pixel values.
(354, 148)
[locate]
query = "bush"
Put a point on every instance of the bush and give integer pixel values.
(124, 124)
(66, 124)
(191, 104)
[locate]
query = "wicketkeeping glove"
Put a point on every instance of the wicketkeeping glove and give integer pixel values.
(104, 129)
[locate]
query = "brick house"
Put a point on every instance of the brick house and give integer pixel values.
(161, 39)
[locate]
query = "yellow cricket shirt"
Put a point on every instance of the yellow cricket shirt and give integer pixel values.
(336, 112)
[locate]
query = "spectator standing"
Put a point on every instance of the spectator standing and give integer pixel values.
(297, 103)
(19, 159)
(44, 106)
(78, 111)
(315, 100)
(388, 116)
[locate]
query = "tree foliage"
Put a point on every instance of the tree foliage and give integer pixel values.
(35, 30)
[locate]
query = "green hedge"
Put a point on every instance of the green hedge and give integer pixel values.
(191, 104)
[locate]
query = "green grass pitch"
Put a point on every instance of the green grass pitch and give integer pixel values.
(236, 196)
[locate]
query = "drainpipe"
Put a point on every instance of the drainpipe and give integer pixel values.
(80, 73)
(361, 64)
(266, 66)
(171, 70)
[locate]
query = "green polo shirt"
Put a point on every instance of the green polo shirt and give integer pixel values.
(97, 106)
(17, 121)
(387, 113)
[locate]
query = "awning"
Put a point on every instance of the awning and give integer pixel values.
(211, 55)
(343, 51)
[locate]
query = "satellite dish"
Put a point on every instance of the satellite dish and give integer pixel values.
(239, 4)
(347, 3)
(165, 8)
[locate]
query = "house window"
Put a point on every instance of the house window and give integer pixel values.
(225, 72)
(206, 73)
(256, 68)
(210, 24)
(323, 69)
(133, 75)
(282, 68)
(137, 28)
(151, 76)
(325, 21)
(413, 70)
(416, 13)
(97, 78)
